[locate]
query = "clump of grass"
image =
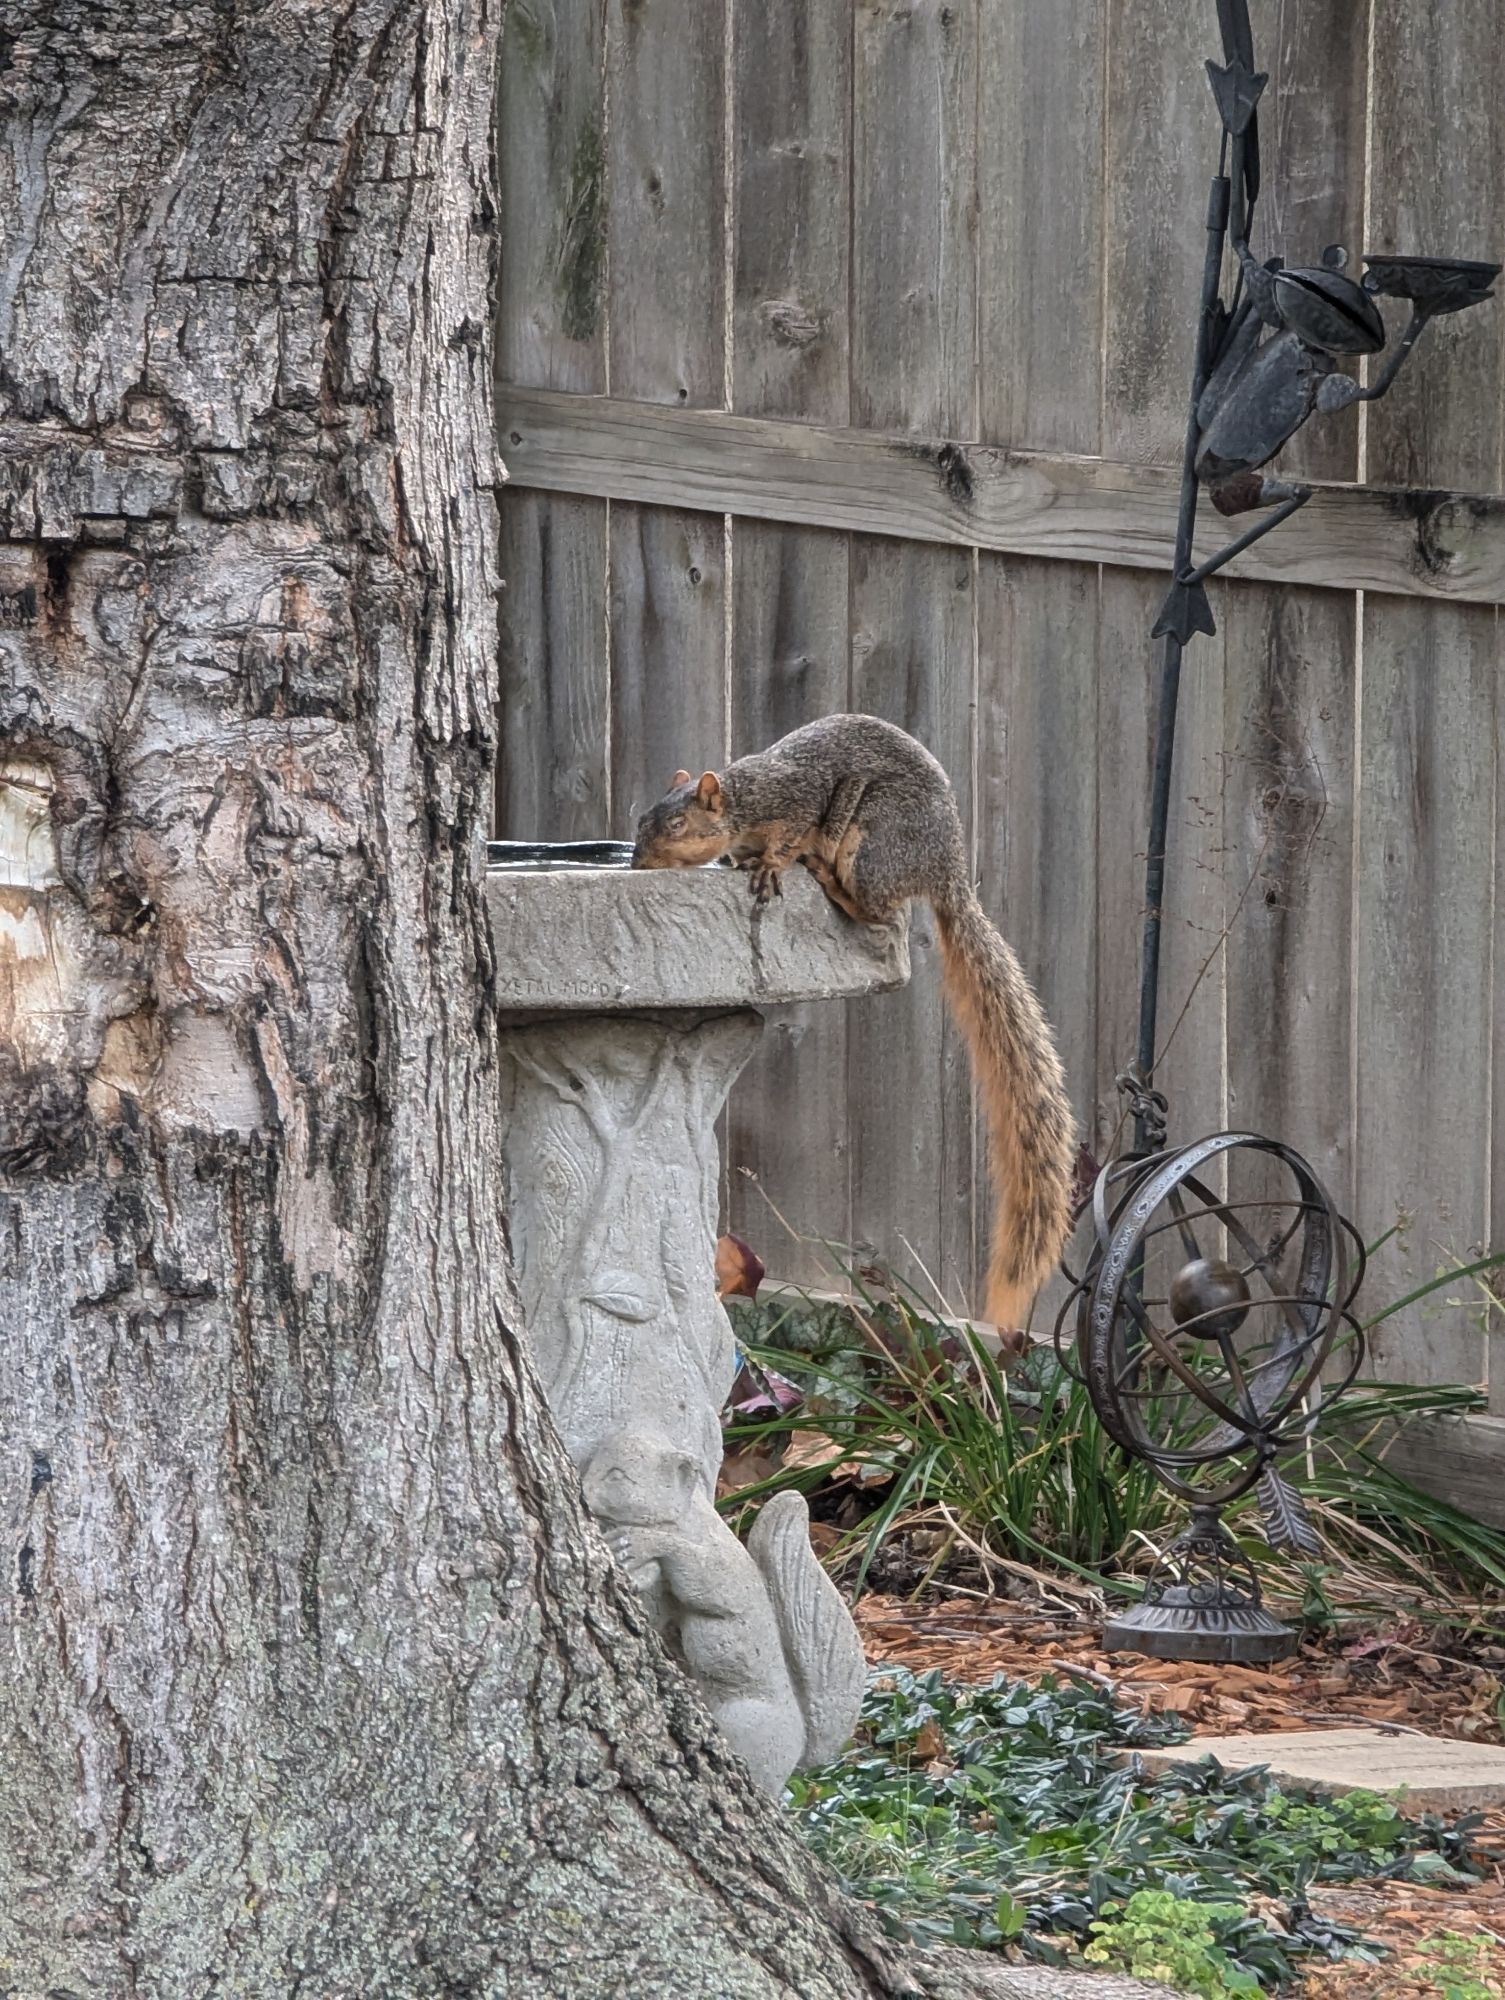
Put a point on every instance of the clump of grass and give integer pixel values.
(1018, 1815)
(1017, 1471)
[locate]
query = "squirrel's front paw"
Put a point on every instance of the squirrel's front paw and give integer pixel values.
(619, 1541)
(767, 882)
(634, 1548)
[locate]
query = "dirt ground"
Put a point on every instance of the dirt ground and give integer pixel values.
(1398, 1677)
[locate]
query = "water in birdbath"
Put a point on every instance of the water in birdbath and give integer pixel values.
(554, 854)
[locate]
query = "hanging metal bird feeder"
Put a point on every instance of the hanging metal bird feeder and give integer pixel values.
(1219, 1275)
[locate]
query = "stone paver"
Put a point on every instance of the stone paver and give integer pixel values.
(1433, 1773)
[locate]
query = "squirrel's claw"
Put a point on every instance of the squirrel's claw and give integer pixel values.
(767, 882)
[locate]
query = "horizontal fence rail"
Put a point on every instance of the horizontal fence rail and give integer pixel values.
(1404, 541)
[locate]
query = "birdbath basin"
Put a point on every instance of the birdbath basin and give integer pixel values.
(629, 1001)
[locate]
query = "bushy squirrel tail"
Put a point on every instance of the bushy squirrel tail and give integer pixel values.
(1031, 1131)
(821, 1646)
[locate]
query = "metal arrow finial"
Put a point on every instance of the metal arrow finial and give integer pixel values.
(1238, 91)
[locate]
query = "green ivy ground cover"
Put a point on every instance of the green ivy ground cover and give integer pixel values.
(1012, 1815)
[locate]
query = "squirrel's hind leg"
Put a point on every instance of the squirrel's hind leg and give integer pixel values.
(865, 885)
(842, 811)
(912, 848)
(826, 875)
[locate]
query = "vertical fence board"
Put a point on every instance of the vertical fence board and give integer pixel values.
(1424, 971)
(1191, 1051)
(1037, 799)
(1040, 336)
(791, 85)
(551, 781)
(914, 274)
(1288, 819)
(1422, 968)
(1192, 970)
(551, 166)
(1040, 222)
(791, 119)
(666, 241)
(666, 199)
(1312, 146)
(668, 616)
(1037, 788)
(1126, 693)
(1437, 167)
(1161, 151)
(913, 347)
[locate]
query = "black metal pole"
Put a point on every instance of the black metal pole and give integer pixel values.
(1154, 874)
(1170, 659)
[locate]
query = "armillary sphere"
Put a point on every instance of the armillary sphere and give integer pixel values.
(1218, 1280)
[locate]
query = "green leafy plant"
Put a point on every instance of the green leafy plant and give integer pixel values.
(1014, 1466)
(1017, 1814)
(1460, 1967)
(1157, 1935)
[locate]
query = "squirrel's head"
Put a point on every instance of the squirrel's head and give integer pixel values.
(638, 1479)
(687, 828)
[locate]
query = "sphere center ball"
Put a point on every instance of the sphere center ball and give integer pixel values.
(1209, 1298)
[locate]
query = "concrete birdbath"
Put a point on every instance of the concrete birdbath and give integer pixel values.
(629, 1002)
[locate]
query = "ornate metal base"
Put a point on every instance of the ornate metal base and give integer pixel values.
(1245, 1635)
(1202, 1603)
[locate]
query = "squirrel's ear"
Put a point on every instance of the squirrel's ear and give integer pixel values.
(679, 778)
(708, 792)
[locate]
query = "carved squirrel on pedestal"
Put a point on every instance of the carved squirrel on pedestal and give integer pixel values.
(761, 1629)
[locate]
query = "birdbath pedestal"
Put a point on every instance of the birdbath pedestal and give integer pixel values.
(629, 1002)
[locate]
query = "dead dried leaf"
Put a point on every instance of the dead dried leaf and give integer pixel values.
(929, 1744)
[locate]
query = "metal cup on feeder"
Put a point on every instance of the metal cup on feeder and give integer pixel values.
(1205, 1319)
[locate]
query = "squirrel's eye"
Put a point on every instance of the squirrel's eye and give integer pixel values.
(678, 823)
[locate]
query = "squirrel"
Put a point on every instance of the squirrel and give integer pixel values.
(870, 813)
(759, 1626)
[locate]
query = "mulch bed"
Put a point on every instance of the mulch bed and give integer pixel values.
(1407, 1919)
(1395, 1677)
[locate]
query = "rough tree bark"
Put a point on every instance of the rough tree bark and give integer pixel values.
(314, 1679)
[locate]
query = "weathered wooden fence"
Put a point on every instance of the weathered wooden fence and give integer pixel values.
(844, 347)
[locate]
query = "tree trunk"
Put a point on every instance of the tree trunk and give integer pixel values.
(313, 1678)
